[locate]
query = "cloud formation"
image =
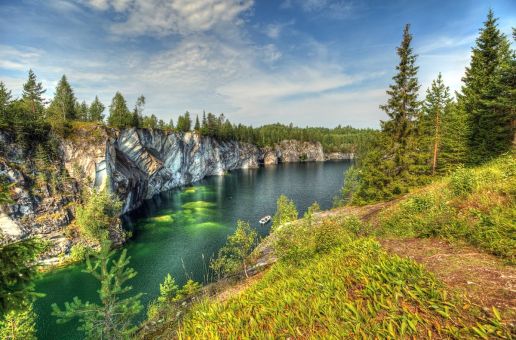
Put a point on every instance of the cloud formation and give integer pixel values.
(163, 17)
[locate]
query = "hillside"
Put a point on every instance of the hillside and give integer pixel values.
(438, 262)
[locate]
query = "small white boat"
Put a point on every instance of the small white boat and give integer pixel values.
(265, 219)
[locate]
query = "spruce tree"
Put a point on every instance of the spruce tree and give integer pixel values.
(63, 106)
(19, 324)
(403, 109)
(137, 116)
(5, 102)
(95, 111)
(18, 268)
(81, 111)
(436, 102)
(112, 318)
(197, 126)
(119, 115)
(32, 95)
(490, 118)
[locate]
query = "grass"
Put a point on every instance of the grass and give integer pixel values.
(333, 279)
(477, 206)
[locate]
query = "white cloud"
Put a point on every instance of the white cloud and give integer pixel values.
(163, 17)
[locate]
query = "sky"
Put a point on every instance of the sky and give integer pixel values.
(309, 62)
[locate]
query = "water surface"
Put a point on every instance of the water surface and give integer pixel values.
(178, 231)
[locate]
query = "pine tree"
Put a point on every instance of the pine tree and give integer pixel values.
(5, 102)
(454, 143)
(112, 317)
(81, 111)
(197, 126)
(32, 95)
(96, 109)
(18, 268)
(19, 324)
(490, 118)
(171, 124)
(437, 101)
(63, 106)
(119, 115)
(403, 109)
(138, 112)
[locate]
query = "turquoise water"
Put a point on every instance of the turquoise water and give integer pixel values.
(178, 231)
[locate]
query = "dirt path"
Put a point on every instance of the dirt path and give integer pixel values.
(483, 278)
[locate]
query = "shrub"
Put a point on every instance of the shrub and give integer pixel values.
(462, 182)
(286, 211)
(98, 214)
(233, 257)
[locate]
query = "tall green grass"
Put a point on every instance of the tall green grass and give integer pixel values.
(331, 283)
(477, 206)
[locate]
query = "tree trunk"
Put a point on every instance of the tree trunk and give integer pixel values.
(436, 142)
(245, 270)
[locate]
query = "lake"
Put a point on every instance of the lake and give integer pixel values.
(178, 231)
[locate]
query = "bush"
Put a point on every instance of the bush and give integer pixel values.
(79, 252)
(98, 214)
(462, 182)
(233, 257)
(286, 211)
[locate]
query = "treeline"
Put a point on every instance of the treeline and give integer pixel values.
(31, 112)
(428, 137)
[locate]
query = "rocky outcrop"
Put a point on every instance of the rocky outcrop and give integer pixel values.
(135, 164)
(289, 151)
(338, 156)
(142, 163)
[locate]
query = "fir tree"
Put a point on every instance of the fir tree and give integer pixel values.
(171, 124)
(197, 126)
(5, 102)
(81, 111)
(18, 268)
(490, 118)
(19, 324)
(403, 109)
(95, 111)
(119, 115)
(63, 106)
(32, 95)
(138, 112)
(112, 317)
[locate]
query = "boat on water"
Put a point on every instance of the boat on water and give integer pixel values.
(265, 219)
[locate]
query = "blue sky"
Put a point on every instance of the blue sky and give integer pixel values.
(310, 62)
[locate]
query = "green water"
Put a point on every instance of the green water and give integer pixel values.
(178, 231)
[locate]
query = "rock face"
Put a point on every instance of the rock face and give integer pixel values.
(141, 163)
(136, 164)
(289, 151)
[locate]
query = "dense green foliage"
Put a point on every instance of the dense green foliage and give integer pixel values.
(170, 303)
(18, 324)
(434, 138)
(18, 268)
(487, 96)
(99, 213)
(233, 256)
(113, 317)
(286, 211)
